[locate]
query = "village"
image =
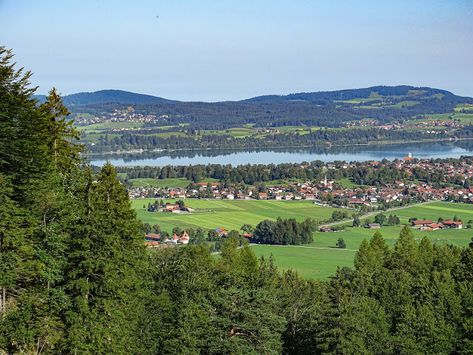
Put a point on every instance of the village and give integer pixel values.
(331, 192)
(119, 115)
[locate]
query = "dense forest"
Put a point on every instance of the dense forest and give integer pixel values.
(75, 277)
(284, 232)
(323, 109)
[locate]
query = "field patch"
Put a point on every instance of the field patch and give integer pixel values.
(150, 182)
(320, 259)
(308, 261)
(211, 214)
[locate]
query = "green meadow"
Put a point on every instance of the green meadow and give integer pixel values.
(150, 182)
(321, 258)
(230, 214)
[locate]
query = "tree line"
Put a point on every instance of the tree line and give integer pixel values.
(130, 140)
(360, 173)
(284, 232)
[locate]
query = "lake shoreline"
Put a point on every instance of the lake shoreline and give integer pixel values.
(361, 152)
(270, 148)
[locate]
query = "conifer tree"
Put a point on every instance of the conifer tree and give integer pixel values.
(107, 259)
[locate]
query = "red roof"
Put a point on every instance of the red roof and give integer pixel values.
(449, 222)
(153, 236)
(421, 222)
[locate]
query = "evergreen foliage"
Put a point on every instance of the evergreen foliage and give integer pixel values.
(75, 277)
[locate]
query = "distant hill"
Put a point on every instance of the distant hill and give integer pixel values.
(372, 93)
(109, 97)
(320, 109)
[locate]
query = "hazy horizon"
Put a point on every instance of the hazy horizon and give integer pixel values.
(237, 99)
(232, 50)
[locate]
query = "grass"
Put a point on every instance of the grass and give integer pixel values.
(111, 125)
(346, 183)
(463, 108)
(465, 118)
(237, 132)
(307, 260)
(402, 104)
(150, 182)
(211, 214)
(320, 259)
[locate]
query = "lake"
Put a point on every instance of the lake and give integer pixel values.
(278, 156)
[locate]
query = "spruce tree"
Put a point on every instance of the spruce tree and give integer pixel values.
(107, 264)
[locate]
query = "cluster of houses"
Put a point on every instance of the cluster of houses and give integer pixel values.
(157, 240)
(420, 124)
(119, 115)
(170, 207)
(328, 190)
(428, 225)
(154, 240)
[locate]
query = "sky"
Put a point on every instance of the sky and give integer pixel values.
(213, 50)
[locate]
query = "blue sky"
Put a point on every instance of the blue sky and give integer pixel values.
(233, 49)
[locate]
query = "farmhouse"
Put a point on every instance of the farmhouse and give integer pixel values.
(453, 224)
(421, 223)
(432, 227)
(222, 232)
(325, 229)
(263, 195)
(171, 207)
(153, 237)
(184, 239)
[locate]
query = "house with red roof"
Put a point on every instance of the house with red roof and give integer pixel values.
(453, 224)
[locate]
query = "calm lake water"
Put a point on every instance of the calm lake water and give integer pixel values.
(274, 156)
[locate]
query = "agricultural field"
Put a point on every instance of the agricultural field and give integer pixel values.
(465, 118)
(150, 182)
(308, 260)
(464, 108)
(211, 214)
(321, 259)
(97, 127)
(237, 132)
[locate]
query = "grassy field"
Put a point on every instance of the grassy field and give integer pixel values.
(464, 108)
(150, 182)
(230, 214)
(320, 259)
(110, 125)
(308, 261)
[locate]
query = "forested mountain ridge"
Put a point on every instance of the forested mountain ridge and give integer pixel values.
(131, 98)
(324, 109)
(374, 92)
(108, 96)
